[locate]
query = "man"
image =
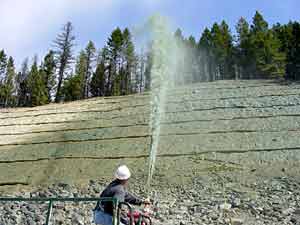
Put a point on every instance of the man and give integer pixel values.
(116, 189)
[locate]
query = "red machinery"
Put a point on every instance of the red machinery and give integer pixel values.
(141, 217)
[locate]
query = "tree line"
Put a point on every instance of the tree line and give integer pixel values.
(255, 51)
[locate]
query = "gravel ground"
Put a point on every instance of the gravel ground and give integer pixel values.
(214, 199)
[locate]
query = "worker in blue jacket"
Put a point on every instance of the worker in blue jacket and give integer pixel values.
(116, 189)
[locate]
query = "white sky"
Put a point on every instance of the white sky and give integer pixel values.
(23, 22)
(28, 27)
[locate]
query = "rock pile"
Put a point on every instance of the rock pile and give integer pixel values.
(205, 201)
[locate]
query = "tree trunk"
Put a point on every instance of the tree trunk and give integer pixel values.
(60, 78)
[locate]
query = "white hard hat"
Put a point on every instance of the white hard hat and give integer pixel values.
(122, 173)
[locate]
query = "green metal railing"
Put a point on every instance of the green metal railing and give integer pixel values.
(52, 200)
(116, 206)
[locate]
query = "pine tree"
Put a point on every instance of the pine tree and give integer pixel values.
(9, 83)
(36, 86)
(293, 53)
(90, 54)
(259, 24)
(258, 33)
(116, 88)
(270, 62)
(148, 68)
(244, 56)
(140, 66)
(64, 44)
(284, 33)
(3, 65)
(81, 71)
(98, 80)
(72, 88)
(192, 60)
(223, 50)
(23, 92)
(128, 62)
(114, 45)
(217, 51)
(206, 58)
(228, 51)
(48, 69)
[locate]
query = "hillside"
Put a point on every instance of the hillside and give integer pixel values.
(71, 141)
(233, 131)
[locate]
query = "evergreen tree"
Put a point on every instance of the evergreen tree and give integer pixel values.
(116, 88)
(81, 71)
(227, 44)
(64, 44)
(216, 49)
(140, 69)
(148, 67)
(223, 50)
(259, 24)
(257, 52)
(23, 91)
(90, 54)
(48, 70)
(36, 86)
(244, 56)
(293, 53)
(114, 45)
(98, 80)
(20, 81)
(9, 83)
(128, 62)
(206, 58)
(191, 60)
(3, 65)
(72, 88)
(284, 33)
(270, 62)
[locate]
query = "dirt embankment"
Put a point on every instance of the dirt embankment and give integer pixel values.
(235, 135)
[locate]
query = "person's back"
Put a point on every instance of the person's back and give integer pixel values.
(117, 190)
(113, 190)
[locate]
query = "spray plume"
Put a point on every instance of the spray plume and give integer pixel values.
(164, 55)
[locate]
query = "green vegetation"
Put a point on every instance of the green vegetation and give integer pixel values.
(256, 51)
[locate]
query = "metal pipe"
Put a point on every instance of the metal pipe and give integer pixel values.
(130, 210)
(52, 200)
(9, 199)
(49, 213)
(147, 218)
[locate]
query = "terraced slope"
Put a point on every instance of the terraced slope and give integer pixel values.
(237, 122)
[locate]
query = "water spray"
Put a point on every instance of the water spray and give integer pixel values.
(163, 68)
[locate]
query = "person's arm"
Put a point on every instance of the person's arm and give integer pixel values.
(131, 199)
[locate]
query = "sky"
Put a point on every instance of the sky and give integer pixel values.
(28, 27)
